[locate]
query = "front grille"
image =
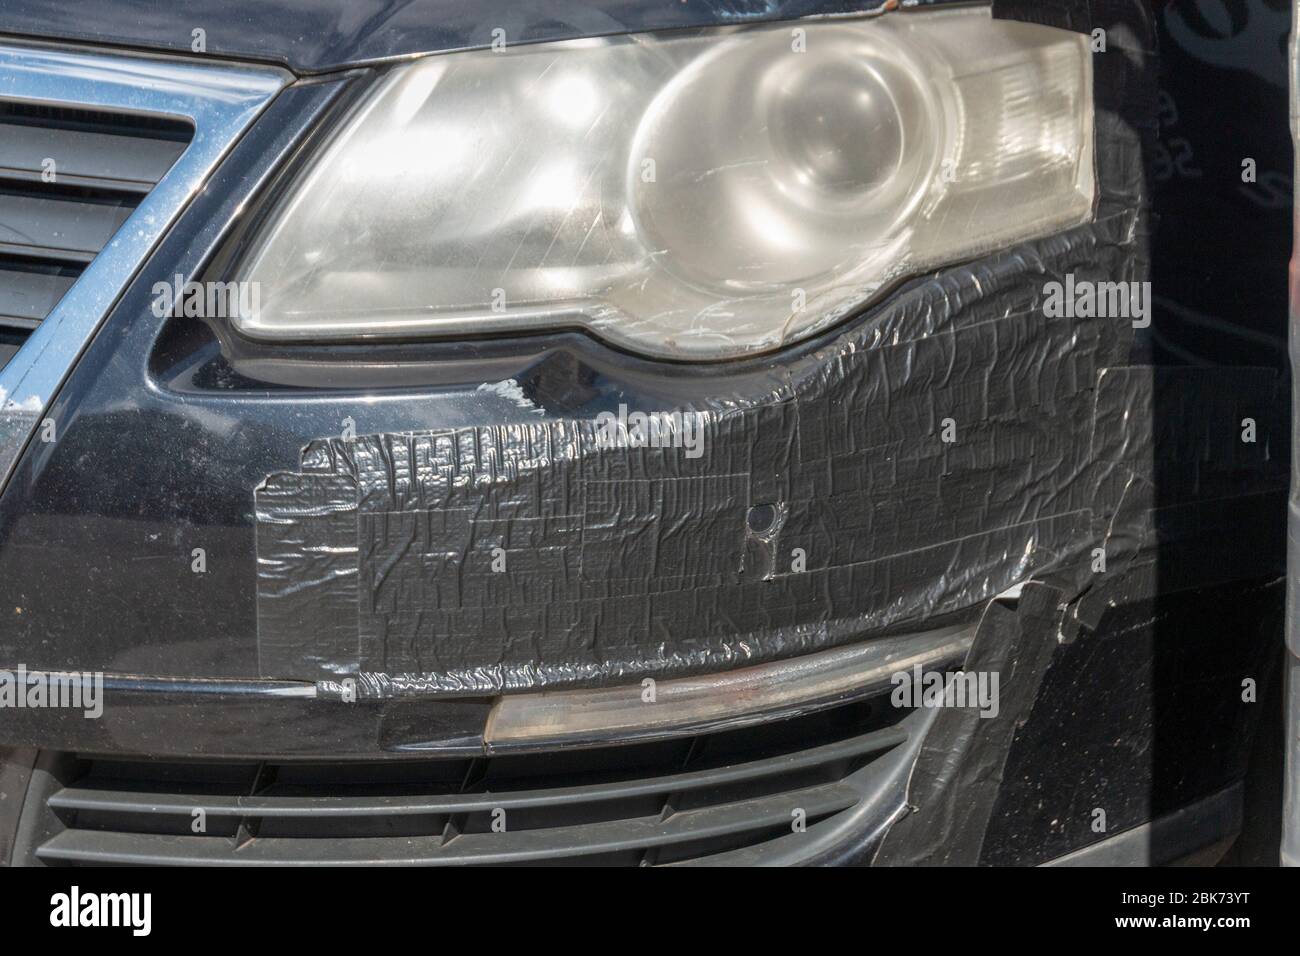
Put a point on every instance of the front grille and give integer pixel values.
(687, 800)
(69, 178)
(131, 140)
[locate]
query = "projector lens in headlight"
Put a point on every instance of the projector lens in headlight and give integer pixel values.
(692, 196)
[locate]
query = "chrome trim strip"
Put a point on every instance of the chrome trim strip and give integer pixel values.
(719, 701)
(204, 685)
(132, 684)
(219, 100)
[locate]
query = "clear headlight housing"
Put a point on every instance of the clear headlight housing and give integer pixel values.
(690, 196)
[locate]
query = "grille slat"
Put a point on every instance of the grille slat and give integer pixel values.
(104, 161)
(57, 227)
(28, 291)
(271, 805)
(521, 846)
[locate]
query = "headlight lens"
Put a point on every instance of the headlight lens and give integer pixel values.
(695, 196)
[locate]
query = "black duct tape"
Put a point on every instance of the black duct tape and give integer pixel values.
(375, 558)
(958, 772)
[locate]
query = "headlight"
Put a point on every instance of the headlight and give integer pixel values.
(691, 196)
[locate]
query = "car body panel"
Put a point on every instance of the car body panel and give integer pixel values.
(311, 36)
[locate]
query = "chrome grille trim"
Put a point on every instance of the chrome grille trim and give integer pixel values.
(220, 101)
